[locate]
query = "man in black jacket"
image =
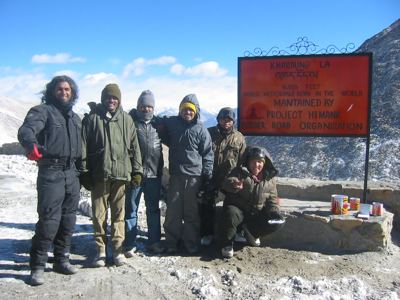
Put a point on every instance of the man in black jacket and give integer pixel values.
(150, 186)
(51, 135)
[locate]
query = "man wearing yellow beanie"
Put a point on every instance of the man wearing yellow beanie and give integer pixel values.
(190, 166)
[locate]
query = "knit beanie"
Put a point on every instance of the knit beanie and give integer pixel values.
(111, 89)
(146, 98)
(187, 105)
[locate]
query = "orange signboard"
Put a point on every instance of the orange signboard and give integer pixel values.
(319, 95)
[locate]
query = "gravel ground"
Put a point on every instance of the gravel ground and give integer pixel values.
(253, 273)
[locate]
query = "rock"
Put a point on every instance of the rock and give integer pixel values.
(313, 228)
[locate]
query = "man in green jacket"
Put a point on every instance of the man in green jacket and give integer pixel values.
(228, 147)
(110, 158)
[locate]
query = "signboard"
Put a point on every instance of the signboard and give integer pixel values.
(309, 95)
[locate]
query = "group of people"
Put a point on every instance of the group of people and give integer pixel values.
(118, 157)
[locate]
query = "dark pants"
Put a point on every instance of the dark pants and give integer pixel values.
(207, 216)
(232, 217)
(151, 189)
(182, 220)
(58, 198)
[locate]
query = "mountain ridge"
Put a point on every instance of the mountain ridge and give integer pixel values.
(328, 158)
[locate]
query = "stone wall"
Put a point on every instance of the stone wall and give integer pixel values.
(312, 227)
(314, 190)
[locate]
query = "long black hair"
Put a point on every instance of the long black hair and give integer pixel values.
(48, 93)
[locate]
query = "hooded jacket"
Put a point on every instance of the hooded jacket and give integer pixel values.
(190, 147)
(110, 145)
(255, 196)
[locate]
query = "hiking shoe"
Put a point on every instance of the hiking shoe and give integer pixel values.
(64, 268)
(36, 277)
(130, 253)
(100, 261)
(155, 248)
(240, 238)
(249, 237)
(206, 240)
(227, 252)
(119, 260)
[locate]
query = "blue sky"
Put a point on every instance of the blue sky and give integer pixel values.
(171, 47)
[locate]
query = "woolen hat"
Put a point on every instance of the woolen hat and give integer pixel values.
(146, 98)
(111, 89)
(187, 105)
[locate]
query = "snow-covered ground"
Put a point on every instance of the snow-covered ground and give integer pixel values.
(254, 273)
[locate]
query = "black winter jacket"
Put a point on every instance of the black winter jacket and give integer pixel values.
(57, 135)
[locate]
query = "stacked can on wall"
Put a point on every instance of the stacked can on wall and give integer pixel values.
(355, 203)
(339, 204)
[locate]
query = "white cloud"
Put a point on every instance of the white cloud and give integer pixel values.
(24, 87)
(138, 66)
(177, 69)
(93, 79)
(212, 92)
(59, 58)
(206, 69)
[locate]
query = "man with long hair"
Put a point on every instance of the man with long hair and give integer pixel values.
(51, 135)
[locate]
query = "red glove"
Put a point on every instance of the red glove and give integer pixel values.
(34, 154)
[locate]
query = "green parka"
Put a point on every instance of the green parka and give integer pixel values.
(228, 150)
(110, 145)
(255, 196)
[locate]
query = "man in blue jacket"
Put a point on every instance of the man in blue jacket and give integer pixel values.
(190, 166)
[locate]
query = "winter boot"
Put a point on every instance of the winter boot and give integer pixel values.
(119, 260)
(227, 252)
(249, 237)
(36, 277)
(64, 267)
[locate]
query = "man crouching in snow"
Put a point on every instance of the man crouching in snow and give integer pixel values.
(251, 200)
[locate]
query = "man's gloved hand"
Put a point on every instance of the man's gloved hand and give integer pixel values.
(32, 152)
(86, 181)
(136, 179)
(206, 186)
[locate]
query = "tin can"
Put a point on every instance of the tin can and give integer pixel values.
(377, 209)
(337, 202)
(345, 208)
(355, 203)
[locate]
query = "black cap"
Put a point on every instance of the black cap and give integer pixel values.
(256, 152)
(226, 112)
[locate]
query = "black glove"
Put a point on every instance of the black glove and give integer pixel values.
(205, 185)
(86, 180)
